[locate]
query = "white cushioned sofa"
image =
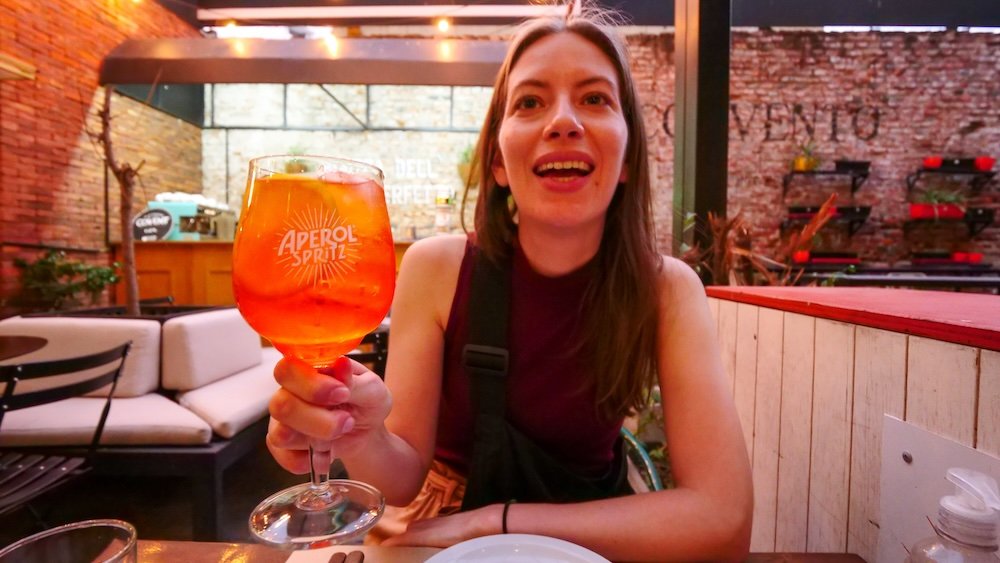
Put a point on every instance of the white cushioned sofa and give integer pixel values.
(191, 399)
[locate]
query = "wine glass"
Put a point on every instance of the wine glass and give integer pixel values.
(313, 272)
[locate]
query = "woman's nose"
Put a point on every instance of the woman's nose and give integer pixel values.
(564, 123)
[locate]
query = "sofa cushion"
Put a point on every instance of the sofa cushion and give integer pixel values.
(204, 347)
(231, 404)
(77, 336)
(149, 420)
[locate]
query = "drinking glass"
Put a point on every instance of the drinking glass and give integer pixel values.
(90, 541)
(313, 272)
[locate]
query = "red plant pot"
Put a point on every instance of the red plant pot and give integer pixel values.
(800, 256)
(975, 257)
(921, 211)
(959, 256)
(984, 163)
(933, 162)
(936, 211)
(947, 211)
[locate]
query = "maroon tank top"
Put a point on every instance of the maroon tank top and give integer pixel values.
(546, 396)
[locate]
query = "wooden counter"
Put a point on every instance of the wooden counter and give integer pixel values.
(812, 372)
(194, 273)
(963, 318)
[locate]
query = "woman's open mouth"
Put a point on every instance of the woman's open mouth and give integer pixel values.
(564, 170)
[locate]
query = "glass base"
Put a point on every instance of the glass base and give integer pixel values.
(283, 520)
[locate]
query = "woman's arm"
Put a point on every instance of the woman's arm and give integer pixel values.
(388, 448)
(708, 515)
(425, 288)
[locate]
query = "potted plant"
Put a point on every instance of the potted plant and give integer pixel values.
(295, 165)
(938, 204)
(932, 162)
(984, 163)
(806, 161)
(52, 282)
(465, 165)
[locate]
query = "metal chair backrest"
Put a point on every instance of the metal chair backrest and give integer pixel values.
(646, 476)
(373, 351)
(25, 476)
(13, 374)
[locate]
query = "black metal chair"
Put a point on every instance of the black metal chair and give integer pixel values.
(642, 472)
(373, 351)
(25, 475)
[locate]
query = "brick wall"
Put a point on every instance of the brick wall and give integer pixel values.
(51, 179)
(890, 98)
(653, 71)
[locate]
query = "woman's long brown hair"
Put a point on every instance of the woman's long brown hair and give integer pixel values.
(620, 306)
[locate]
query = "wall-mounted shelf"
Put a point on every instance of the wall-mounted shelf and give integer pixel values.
(857, 177)
(977, 179)
(853, 216)
(976, 219)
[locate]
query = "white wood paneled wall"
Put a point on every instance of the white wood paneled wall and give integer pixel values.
(810, 394)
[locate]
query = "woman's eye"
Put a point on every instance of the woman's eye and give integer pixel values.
(595, 99)
(527, 102)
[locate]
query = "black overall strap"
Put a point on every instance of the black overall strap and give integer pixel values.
(485, 356)
(505, 463)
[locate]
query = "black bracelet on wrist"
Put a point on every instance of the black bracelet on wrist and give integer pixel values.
(506, 508)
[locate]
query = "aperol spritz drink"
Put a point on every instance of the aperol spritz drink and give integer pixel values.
(314, 272)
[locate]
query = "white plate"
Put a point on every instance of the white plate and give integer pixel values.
(524, 548)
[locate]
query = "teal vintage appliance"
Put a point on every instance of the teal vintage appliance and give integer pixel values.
(195, 218)
(184, 215)
(190, 219)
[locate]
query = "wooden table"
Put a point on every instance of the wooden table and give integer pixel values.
(13, 345)
(154, 551)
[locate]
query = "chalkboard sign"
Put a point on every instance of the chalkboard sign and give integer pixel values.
(152, 224)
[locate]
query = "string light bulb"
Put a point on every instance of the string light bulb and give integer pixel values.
(332, 45)
(443, 25)
(445, 50)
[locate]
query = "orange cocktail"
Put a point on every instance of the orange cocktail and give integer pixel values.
(313, 262)
(313, 272)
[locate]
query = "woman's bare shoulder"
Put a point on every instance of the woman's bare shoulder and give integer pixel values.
(428, 276)
(433, 253)
(679, 283)
(676, 272)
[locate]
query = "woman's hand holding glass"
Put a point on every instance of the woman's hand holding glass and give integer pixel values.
(334, 409)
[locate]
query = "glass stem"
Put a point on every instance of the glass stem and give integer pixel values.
(319, 469)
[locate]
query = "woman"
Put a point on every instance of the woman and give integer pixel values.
(596, 316)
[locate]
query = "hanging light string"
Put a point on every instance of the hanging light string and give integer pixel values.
(448, 13)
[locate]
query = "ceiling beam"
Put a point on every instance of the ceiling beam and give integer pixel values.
(450, 62)
(354, 14)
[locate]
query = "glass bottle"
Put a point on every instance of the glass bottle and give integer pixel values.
(966, 530)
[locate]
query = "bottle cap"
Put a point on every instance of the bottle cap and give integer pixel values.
(969, 516)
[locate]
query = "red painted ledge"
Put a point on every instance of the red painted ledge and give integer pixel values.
(971, 319)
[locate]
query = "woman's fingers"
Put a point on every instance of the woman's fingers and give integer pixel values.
(292, 460)
(313, 421)
(300, 379)
(342, 369)
(283, 436)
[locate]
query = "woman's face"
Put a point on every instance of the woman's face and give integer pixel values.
(563, 135)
